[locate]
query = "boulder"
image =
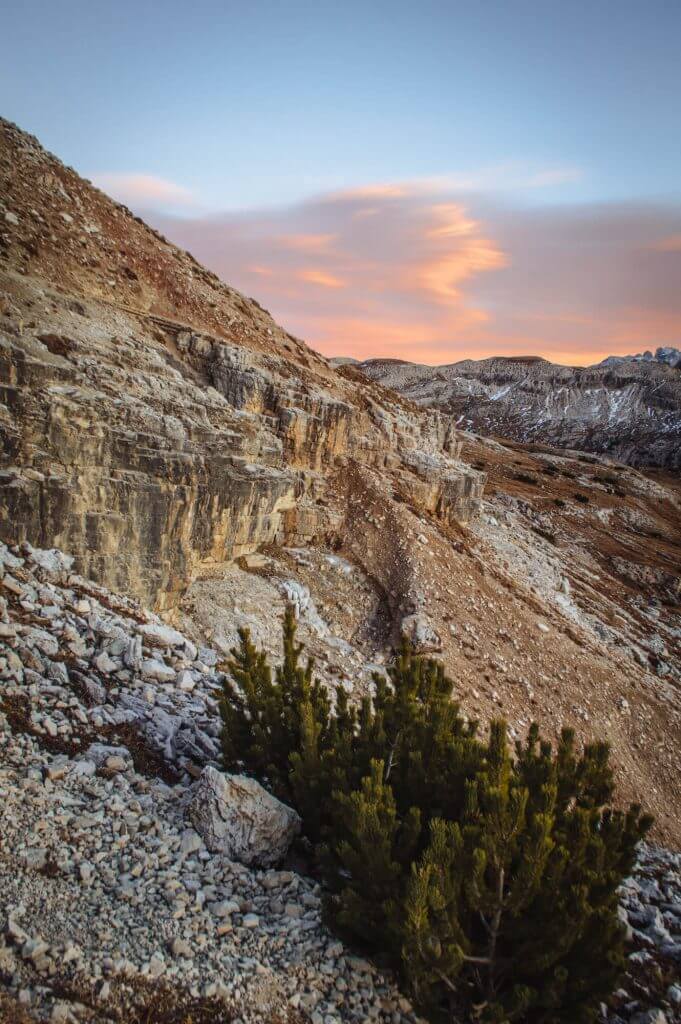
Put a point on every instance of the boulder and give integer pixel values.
(53, 562)
(420, 633)
(164, 636)
(235, 816)
(114, 759)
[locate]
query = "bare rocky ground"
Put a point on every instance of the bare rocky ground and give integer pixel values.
(564, 613)
(107, 892)
(111, 905)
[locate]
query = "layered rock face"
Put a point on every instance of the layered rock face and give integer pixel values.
(154, 421)
(627, 408)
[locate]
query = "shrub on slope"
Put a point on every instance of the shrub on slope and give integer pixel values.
(487, 877)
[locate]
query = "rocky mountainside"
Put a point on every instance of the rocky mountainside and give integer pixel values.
(131, 892)
(626, 407)
(185, 452)
(153, 420)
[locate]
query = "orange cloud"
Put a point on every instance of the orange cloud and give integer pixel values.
(306, 243)
(321, 278)
(670, 244)
(378, 191)
(462, 253)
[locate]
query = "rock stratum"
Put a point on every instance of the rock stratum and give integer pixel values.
(626, 407)
(154, 420)
(167, 446)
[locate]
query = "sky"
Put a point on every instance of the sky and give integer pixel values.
(429, 181)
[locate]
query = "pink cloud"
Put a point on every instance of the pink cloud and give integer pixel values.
(145, 191)
(423, 273)
(306, 243)
(322, 278)
(670, 244)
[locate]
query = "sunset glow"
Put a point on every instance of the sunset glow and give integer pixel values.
(431, 276)
(428, 184)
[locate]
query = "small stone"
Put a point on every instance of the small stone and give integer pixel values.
(162, 635)
(106, 664)
(71, 953)
(12, 585)
(35, 858)
(251, 921)
(185, 681)
(179, 947)
(674, 995)
(114, 759)
(34, 949)
(190, 842)
(654, 1016)
(153, 669)
(85, 870)
(156, 967)
(225, 908)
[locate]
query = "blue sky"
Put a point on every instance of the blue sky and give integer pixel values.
(503, 106)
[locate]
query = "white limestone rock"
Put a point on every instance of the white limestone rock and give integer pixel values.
(420, 633)
(158, 670)
(235, 816)
(163, 636)
(52, 561)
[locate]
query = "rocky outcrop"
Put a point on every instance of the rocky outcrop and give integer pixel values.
(235, 816)
(626, 407)
(154, 422)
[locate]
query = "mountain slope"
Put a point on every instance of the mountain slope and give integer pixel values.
(154, 420)
(628, 408)
(164, 431)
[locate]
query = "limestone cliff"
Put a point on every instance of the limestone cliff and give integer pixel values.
(153, 420)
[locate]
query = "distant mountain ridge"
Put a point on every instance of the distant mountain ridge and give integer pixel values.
(628, 407)
(666, 354)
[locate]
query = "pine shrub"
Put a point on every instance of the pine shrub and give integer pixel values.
(486, 876)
